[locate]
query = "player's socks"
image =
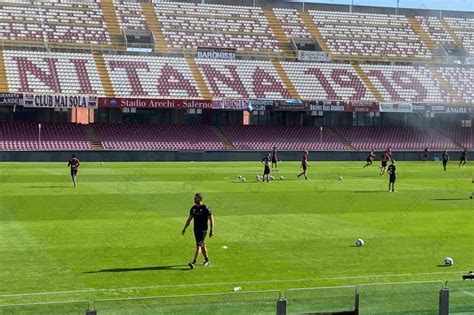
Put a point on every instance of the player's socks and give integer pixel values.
(206, 262)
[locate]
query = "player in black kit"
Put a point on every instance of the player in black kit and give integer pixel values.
(266, 168)
(445, 159)
(74, 164)
(393, 176)
(463, 159)
(201, 215)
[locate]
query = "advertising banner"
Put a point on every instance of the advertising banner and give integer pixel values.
(155, 103)
(360, 106)
(313, 56)
(11, 99)
(59, 101)
(396, 107)
(216, 53)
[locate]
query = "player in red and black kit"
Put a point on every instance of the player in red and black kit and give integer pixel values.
(274, 159)
(201, 214)
(383, 162)
(304, 165)
(463, 159)
(392, 171)
(266, 168)
(426, 152)
(389, 153)
(74, 164)
(370, 158)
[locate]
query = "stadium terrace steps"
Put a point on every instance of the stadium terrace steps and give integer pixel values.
(113, 26)
(313, 30)
(3, 74)
(425, 38)
(342, 139)
(198, 78)
(223, 138)
(451, 32)
(279, 33)
(103, 74)
(93, 138)
(445, 85)
(370, 85)
(285, 79)
(154, 25)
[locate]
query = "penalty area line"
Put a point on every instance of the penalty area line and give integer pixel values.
(225, 283)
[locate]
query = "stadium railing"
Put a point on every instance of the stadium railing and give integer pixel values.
(426, 297)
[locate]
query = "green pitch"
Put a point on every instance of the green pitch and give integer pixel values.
(117, 235)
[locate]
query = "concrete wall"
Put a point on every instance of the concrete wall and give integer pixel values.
(173, 156)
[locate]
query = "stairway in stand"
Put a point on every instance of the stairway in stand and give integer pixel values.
(222, 137)
(93, 138)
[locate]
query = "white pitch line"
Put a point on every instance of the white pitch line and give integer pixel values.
(467, 292)
(225, 283)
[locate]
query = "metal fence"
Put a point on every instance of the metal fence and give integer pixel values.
(430, 297)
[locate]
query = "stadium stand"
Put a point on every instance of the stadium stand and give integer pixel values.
(435, 29)
(157, 137)
(130, 15)
(18, 136)
(400, 138)
(43, 72)
(151, 76)
(243, 79)
(461, 136)
(292, 23)
(462, 30)
(73, 21)
(327, 81)
(202, 25)
(406, 83)
(369, 35)
(460, 78)
(282, 137)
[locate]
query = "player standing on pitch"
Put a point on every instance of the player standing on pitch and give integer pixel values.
(274, 159)
(393, 176)
(383, 161)
(463, 159)
(370, 158)
(426, 152)
(445, 157)
(304, 165)
(266, 168)
(201, 215)
(74, 164)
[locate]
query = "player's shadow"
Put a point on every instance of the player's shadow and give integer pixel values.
(153, 268)
(442, 266)
(47, 187)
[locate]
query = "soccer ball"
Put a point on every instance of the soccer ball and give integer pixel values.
(240, 177)
(282, 178)
(272, 178)
(341, 178)
(258, 178)
(359, 242)
(448, 261)
(243, 179)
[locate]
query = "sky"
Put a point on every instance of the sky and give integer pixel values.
(456, 5)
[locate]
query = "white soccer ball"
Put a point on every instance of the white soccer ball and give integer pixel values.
(341, 178)
(448, 261)
(243, 179)
(272, 178)
(282, 178)
(240, 177)
(359, 242)
(102, 163)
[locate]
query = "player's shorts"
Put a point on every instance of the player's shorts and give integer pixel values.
(392, 179)
(463, 160)
(200, 236)
(266, 171)
(445, 162)
(305, 167)
(369, 160)
(274, 160)
(73, 172)
(384, 163)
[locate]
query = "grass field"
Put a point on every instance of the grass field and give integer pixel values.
(117, 235)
